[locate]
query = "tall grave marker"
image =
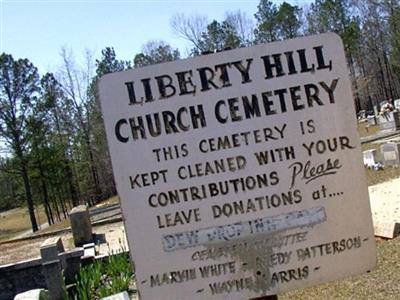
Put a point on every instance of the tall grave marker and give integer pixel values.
(240, 173)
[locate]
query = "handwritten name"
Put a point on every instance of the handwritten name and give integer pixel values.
(309, 172)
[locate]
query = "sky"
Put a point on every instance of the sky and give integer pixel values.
(38, 29)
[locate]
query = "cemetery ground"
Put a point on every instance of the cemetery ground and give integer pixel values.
(380, 283)
(385, 174)
(16, 221)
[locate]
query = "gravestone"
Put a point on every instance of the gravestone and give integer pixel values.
(52, 267)
(389, 121)
(386, 229)
(376, 110)
(89, 250)
(391, 153)
(54, 279)
(397, 104)
(80, 225)
(37, 294)
(119, 296)
(50, 249)
(71, 263)
(371, 120)
(370, 157)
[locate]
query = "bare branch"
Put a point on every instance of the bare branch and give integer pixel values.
(190, 28)
(242, 24)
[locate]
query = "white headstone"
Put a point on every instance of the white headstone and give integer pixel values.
(371, 120)
(370, 157)
(389, 121)
(240, 172)
(37, 294)
(391, 153)
(119, 296)
(397, 104)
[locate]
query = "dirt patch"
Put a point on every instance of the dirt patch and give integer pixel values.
(14, 252)
(111, 238)
(365, 130)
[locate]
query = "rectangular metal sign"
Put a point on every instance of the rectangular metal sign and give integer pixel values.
(240, 173)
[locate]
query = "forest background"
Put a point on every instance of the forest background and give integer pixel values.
(53, 146)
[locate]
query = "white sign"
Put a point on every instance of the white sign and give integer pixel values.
(240, 173)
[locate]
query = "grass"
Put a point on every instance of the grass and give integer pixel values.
(63, 224)
(103, 278)
(388, 173)
(110, 201)
(365, 130)
(380, 283)
(16, 221)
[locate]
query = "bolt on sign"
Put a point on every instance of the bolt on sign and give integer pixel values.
(240, 173)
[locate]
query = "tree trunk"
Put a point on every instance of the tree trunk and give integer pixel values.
(55, 205)
(60, 197)
(71, 186)
(77, 186)
(95, 176)
(383, 81)
(46, 210)
(49, 213)
(67, 167)
(355, 85)
(370, 105)
(28, 193)
(388, 77)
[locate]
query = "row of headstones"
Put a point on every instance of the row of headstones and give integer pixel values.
(390, 152)
(363, 113)
(387, 122)
(60, 267)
